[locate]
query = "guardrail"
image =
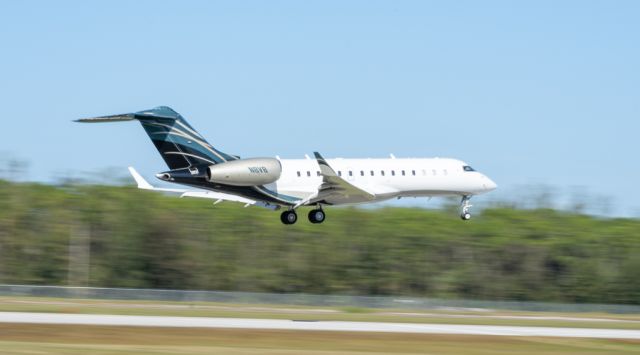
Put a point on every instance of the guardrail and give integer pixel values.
(305, 299)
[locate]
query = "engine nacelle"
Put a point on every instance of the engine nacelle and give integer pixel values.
(245, 172)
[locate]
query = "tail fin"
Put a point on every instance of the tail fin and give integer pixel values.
(178, 143)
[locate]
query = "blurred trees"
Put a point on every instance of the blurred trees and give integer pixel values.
(123, 237)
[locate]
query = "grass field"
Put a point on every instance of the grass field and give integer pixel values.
(75, 339)
(72, 339)
(211, 309)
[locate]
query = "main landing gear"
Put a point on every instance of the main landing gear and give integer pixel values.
(465, 215)
(315, 216)
(289, 217)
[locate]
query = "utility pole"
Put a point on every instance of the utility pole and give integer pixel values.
(79, 254)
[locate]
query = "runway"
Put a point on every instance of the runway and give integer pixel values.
(340, 326)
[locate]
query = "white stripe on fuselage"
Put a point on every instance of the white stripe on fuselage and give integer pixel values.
(422, 177)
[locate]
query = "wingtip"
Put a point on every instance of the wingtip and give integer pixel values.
(142, 183)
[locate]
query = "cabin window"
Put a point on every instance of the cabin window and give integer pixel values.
(413, 172)
(382, 172)
(434, 172)
(361, 172)
(393, 173)
(339, 172)
(424, 172)
(350, 173)
(403, 174)
(308, 173)
(298, 174)
(318, 173)
(445, 172)
(372, 173)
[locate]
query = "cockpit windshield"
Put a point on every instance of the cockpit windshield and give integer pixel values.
(467, 168)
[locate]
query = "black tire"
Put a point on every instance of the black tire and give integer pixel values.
(288, 217)
(465, 216)
(316, 216)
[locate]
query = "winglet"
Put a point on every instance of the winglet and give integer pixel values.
(332, 182)
(142, 183)
(325, 168)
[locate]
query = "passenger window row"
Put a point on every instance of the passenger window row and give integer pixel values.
(382, 173)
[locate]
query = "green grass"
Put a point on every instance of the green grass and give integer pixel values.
(356, 310)
(72, 339)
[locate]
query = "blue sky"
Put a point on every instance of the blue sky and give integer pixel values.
(538, 93)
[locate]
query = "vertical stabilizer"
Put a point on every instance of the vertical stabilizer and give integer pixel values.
(179, 144)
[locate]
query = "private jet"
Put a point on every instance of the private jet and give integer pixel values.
(288, 184)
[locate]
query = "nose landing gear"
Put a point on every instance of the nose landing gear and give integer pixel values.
(465, 215)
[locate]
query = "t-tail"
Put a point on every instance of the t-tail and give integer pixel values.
(179, 144)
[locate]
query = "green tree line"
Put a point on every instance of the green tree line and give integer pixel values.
(110, 236)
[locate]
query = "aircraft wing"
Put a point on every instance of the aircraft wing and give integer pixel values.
(218, 196)
(334, 186)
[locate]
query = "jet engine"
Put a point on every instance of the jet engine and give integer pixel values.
(245, 172)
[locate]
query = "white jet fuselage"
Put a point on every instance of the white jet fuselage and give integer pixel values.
(292, 183)
(384, 178)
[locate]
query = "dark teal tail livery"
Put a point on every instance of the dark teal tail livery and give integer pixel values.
(179, 144)
(189, 156)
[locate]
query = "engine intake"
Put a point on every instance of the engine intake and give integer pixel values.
(245, 172)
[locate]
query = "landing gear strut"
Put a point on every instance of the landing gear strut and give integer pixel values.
(465, 215)
(316, 216)
(289, 217)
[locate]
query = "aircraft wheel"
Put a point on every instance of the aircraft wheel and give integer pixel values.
(316, 216)
(465, 216)
(289, 217)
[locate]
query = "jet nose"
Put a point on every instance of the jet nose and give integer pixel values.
(488, 184)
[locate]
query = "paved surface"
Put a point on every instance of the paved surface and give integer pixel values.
(475, 313)
(279, 324)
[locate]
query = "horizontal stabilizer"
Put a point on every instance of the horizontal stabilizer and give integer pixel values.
(112, 118)
(154, 115)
